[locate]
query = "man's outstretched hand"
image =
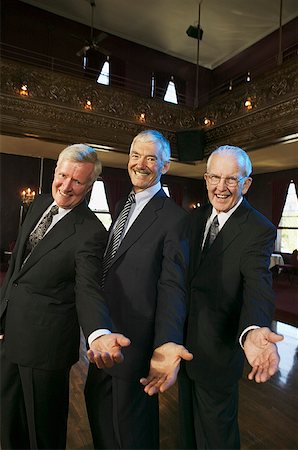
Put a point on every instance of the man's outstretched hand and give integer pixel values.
(261, 353)
(105, 351)
(164, 367)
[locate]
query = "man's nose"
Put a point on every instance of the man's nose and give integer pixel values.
(222, 184)
(67, 186)
(141, 162)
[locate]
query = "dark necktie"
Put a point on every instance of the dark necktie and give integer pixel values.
(39, 232)
(117, 235)
(212, 233)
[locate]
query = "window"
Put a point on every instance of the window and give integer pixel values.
(99, 205)
(170, 95)
(152, 91)
(287, 233)
(85, 62)
(104, 76)
(166, 189)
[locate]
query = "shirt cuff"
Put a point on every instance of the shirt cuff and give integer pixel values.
(96, 334)
(252, 327)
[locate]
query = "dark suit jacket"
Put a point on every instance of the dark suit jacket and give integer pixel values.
(229, 290)
(145, 286)
(57, 289)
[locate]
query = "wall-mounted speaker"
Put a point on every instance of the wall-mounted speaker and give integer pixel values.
(190, 144)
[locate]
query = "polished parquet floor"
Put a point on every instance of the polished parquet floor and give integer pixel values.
(267, 412)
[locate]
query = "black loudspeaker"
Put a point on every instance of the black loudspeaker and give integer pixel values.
(190, 144)
(194, 32)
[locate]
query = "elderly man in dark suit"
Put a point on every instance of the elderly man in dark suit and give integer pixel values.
(144, 285)
(51, 289)
(231, 304)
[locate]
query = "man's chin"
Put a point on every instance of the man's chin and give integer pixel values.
(63, 202)
(221, 207)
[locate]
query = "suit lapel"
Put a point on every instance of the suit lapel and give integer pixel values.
(229, 232)
(144, 221)
(61, 231)
(34, 214)
(198, 225)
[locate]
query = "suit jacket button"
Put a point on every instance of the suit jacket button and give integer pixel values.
(15, 284)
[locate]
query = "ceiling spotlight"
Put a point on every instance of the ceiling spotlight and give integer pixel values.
(194, 32)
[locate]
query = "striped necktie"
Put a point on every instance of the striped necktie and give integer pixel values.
(117, 235)
(212, 233)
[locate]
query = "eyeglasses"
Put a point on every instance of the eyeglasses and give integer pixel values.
(229, 181)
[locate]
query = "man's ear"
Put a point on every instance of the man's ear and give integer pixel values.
(246, 185)
(166, 167)
(89, 188)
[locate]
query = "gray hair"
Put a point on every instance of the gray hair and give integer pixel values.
(242, 157)
(158, 139)
(82, 153)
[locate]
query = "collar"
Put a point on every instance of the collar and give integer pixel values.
(223, 216)
(147, 194)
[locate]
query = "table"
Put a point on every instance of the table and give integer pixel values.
(275, 259)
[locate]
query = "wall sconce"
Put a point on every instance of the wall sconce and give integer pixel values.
(230, 85)
(27, 195)
(24, 90)
(142, 117)
(88, 105)
(195, 205)
(248, 77)
(248, 104)
(208, 122)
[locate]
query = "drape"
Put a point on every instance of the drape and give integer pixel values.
(161, 84)
(176, 192)
(115, 189)
(180, 89)
(95, 62)
(279, 195)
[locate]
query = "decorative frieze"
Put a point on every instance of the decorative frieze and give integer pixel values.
(65, 108)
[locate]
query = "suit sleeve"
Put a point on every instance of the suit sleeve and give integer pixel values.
(92, 310)
(258, 295)
(171, 302)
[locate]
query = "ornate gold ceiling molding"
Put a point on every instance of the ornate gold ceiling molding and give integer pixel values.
(54, 109)
(273, 116)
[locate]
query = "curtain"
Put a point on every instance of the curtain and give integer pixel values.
(95, 62)
(176, 192)
(279, 195)
(115, 189)
(295, 180)
(117, 72)
(161, 84)
(180, 90)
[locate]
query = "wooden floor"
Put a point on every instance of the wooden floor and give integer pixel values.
(268, 412)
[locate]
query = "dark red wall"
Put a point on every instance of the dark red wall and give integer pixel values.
(260, 194)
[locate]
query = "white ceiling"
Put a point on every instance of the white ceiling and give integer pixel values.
(229, 26)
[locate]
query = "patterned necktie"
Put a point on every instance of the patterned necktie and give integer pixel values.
(117, 235)
(40, 230)
(212, 233)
